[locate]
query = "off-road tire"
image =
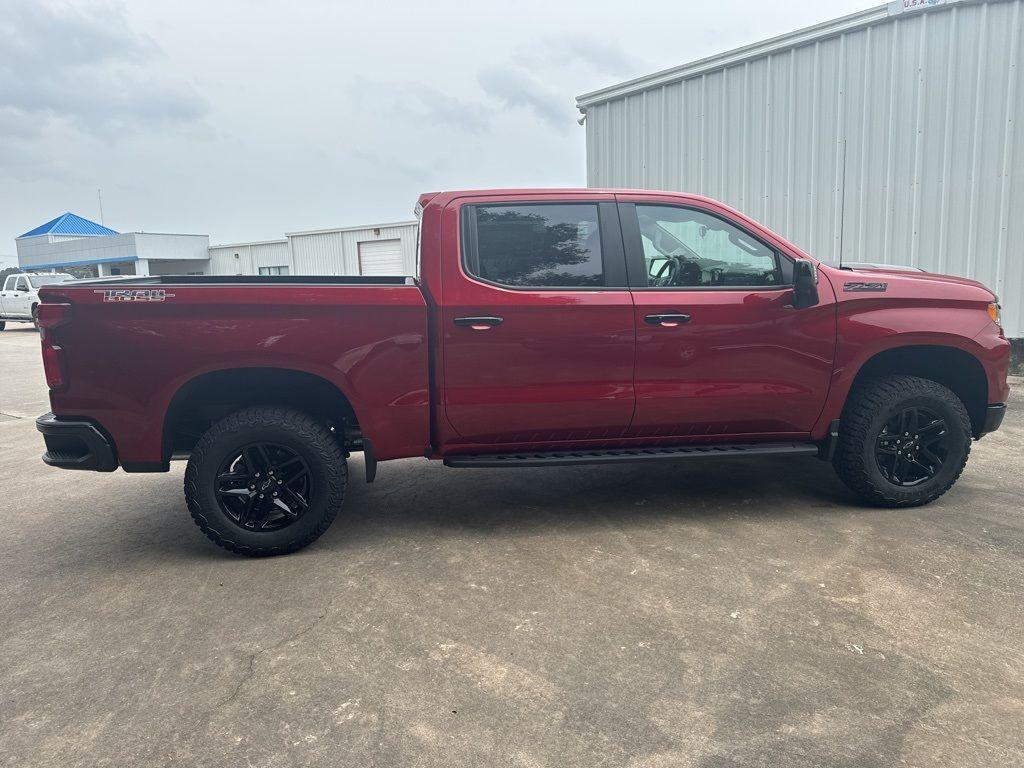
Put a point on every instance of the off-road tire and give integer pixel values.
(867, 410)
(288, 427)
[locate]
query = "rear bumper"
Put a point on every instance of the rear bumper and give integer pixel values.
(75, 444)
(993, 418)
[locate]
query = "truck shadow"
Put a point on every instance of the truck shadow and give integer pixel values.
(415, 499)
(412, 494)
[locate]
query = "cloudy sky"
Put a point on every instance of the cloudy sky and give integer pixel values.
(246, 119)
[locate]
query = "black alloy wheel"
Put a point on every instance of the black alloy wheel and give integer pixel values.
(912, 446)
(266, 480)
(903, 440)
(264, 487)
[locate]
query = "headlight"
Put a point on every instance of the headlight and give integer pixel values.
(995, 314)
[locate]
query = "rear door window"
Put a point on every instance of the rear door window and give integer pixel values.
(555, 245)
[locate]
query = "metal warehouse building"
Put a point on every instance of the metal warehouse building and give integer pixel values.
(894, 135)
(377, 249)
(72, 243)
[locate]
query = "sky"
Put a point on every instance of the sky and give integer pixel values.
(248, 119)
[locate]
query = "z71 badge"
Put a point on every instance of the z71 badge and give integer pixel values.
(147, 294)
(865, 287)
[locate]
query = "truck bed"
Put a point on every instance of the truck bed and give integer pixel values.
(132, 344)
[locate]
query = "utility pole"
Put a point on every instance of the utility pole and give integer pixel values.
(99, 194)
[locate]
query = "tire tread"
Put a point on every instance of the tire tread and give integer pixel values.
(864, 403)
(305, 428)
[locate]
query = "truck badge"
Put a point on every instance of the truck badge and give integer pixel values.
(147, 294)
(865, 287)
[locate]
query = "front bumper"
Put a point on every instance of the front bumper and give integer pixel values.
(993, 418)
(75, 444)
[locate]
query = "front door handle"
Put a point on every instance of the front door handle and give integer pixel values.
(667, 319)
(478, 323)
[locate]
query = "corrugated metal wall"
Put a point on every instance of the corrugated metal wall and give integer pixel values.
(336, 252)
(322, 252)
(251, 256)
(891, 141)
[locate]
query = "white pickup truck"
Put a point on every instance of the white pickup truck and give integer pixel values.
(20, 295)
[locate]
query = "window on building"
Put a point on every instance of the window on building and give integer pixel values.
(557, 245)
(686, 248)
(273, 270)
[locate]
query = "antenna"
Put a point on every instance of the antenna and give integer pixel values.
(99, 195)
(842, 208)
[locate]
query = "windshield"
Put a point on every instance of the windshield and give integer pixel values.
(38, 281)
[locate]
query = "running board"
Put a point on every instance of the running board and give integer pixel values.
(628, 455)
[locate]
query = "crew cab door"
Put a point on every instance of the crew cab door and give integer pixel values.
(536, 321)
(721, 351)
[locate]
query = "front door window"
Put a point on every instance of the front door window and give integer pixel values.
(687, 248)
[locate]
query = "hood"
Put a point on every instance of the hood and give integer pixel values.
(907, 281)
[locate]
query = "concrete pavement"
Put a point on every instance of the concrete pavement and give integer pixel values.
(729, 614)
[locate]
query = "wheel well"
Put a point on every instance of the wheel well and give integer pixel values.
(207, 399)
(953, 368)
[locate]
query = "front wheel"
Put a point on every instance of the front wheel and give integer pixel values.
(903, 441)
(2, 325)
(265, 481)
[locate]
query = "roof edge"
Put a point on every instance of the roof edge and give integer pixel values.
(352, 229)
(721, 60)
(282, 241)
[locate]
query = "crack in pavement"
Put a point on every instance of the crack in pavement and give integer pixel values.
(251, 671)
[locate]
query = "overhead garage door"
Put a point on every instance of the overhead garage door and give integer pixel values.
(381, 257)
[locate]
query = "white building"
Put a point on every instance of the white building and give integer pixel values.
(268, 257)
(379, 249)
(893, 135)
(72, 243)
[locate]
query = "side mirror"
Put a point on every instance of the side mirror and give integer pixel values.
(805, 284)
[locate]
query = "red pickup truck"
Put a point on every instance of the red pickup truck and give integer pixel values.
(545, 328)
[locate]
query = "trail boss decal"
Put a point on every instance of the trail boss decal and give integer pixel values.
(157, 294)
(865, 287)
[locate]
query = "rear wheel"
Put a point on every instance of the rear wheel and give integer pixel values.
(35, 316)
(903, 441)
(2, 325)
(265, 481)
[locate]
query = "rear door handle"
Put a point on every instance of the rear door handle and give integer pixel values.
(478, 323)
(667, 319)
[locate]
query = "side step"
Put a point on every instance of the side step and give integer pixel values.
(628, 455)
